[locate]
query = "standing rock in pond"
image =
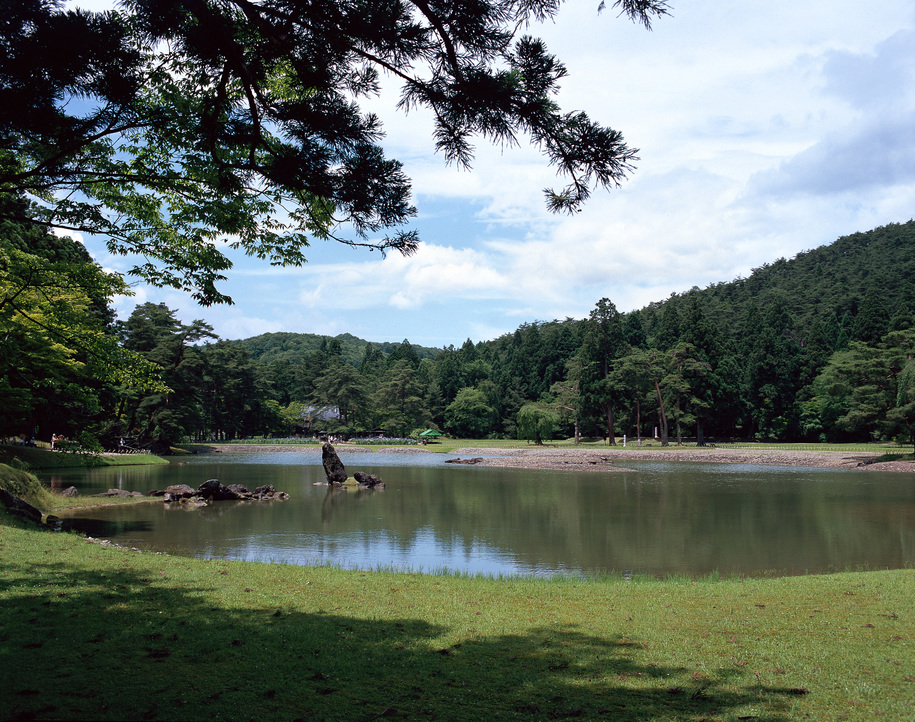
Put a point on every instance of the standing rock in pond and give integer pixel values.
(333, 467)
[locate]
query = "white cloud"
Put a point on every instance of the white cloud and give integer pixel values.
(403, 282)
(765, 127)
(61, 233)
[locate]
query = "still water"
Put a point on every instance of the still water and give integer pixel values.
(658, 519)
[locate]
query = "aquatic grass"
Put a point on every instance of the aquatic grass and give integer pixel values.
(139, 635)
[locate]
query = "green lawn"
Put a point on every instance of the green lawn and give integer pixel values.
(42, 458)
(95, 632)
(447, 445)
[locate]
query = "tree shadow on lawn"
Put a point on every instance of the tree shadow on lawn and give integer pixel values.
(118, 644)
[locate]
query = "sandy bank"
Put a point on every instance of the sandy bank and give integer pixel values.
(614, 459)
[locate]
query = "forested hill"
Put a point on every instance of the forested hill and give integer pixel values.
(829, 281)
(293, 347)
(819, 347)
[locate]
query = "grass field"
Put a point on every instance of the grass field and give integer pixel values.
(28, 457)
(99, 632)
(447, 445)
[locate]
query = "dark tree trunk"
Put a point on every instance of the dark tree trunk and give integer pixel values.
(638, 419)
(611, 431)
(662, 416)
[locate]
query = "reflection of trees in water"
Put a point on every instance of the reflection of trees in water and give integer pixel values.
(104, 527)
(337, 497)
(696, 519)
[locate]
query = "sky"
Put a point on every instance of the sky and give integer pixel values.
(764, 127)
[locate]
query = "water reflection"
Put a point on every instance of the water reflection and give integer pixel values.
(104, 528)
(658, 519)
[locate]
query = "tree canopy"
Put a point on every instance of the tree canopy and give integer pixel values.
(170, 126)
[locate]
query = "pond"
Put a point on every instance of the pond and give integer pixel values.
(660, 518)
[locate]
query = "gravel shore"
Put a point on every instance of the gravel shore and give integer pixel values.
(608, 459)
(614, 459)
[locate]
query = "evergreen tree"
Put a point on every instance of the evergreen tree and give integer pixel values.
(633, 330)
(400, 400)
(403, 352)
(872, 321)
(668, 330)
(604, 343)
(698, 357)
(903, 318)
(772, 373)
(178, 411)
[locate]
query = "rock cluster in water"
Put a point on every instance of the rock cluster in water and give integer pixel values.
(110, 492)
(214, 490)
(336, 472)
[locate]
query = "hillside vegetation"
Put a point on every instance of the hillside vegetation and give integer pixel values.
(814, 348)
(293, 347)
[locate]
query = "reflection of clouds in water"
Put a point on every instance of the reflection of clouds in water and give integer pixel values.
(423, 552)
(663, 518)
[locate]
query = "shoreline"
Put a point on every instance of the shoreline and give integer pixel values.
(607, 459)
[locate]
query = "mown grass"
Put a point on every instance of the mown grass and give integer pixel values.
(93, 632)
(894, 457)
(28, 457)
(450, 445)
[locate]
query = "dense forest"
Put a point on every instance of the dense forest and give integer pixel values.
(818, 347)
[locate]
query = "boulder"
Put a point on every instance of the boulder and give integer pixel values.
(267, 492)
(333, 467)
(368, 481)
(17, 506)
(178, 491)
(213, 490)
(119, 492)
(70, 491)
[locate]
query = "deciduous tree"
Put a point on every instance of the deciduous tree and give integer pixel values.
(537, 422)
(469, 414)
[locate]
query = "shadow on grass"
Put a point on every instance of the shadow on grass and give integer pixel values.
(125, 643)
(867, 461)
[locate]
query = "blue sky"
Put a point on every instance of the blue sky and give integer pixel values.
(765, 128)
